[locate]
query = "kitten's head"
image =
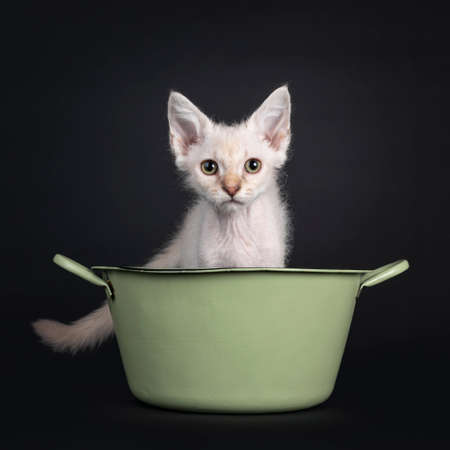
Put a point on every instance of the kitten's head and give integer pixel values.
(230, 166)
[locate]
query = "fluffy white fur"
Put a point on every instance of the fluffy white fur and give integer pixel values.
(239, 218)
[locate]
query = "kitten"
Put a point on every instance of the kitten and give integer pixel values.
(239, 218)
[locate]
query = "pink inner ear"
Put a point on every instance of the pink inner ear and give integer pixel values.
(276, 131)
(185, 136)
(181, 144)
(186, 143)
(276, 139)
(275, 125)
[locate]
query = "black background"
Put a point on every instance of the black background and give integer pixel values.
(87, 173)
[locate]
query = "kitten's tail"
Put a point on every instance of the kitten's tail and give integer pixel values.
(87, 332)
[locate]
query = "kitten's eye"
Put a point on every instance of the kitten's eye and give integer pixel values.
(209, 167)
(253, 165)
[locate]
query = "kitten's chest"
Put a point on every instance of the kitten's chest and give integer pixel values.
(234, 242)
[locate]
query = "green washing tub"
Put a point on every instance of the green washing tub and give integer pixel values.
(232, 340)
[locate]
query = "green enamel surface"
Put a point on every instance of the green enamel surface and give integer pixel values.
(242, 342)
(238, 340)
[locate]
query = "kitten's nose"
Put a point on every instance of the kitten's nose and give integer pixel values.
(231, 183)
(231, 189)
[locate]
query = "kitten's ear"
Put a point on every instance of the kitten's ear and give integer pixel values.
(272, 120)
(186, 122)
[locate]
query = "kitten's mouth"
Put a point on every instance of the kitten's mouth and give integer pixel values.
(232, 200)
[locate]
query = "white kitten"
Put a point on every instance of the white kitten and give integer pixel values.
(239, 219)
